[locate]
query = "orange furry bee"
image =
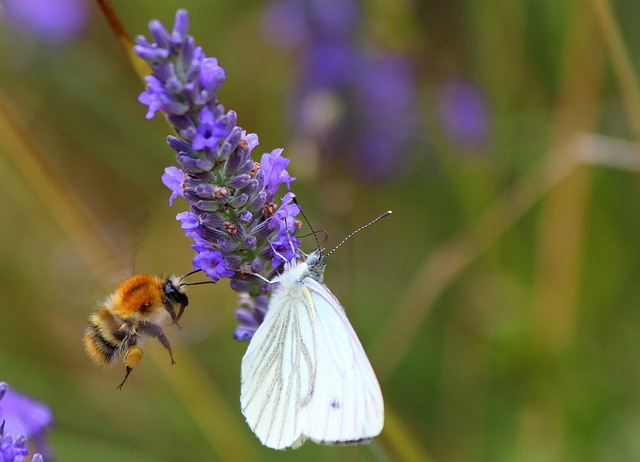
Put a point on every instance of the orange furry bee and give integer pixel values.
(140, 306)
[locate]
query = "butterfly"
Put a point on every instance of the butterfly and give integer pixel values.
(305, 375)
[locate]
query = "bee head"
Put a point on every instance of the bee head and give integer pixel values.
(174, 294)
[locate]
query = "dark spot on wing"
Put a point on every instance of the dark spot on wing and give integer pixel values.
(335, 404)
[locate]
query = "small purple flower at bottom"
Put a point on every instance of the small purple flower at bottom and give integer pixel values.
(24, 417)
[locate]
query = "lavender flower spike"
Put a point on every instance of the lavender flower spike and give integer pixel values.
(25, 418)
(238, 225)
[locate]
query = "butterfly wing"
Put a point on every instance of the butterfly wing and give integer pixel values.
(278, 369)
(346, 405)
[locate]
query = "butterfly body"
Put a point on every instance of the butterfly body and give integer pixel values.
(305, 374)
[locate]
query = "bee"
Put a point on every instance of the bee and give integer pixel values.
(140, 306)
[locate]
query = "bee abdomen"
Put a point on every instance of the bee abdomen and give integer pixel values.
(104, 338)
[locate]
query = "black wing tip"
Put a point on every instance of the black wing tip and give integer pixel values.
(355, 442)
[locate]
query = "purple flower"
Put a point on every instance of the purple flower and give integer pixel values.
(50, 20)
(172, 179)
(285, 215)
(213, 264)
(283, 250)
(273, 165)
(153, 96)
(211, 78)
(209, 131)
(189, 221)
(233, 218)
(21, 418)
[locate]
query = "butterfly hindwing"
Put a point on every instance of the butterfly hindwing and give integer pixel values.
(278, 369)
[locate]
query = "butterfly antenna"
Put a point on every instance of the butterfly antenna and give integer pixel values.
(385, 214)
(313, 231)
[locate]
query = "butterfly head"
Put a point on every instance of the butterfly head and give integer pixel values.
(316, 262)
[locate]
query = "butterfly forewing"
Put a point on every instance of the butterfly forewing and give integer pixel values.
(278, 370)
(346, 405)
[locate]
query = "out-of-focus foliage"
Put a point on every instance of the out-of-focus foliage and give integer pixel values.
(499, 304)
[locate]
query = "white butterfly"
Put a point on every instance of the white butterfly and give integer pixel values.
(305, 374)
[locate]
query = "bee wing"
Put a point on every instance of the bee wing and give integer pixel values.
(278, 370)
(346, 406)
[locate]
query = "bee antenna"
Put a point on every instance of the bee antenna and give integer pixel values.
(189, 274)
(194, 283)
(197, 283)
(385, 214)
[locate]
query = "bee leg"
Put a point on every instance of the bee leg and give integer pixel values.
(126, 376)
(165, 343)
(131, 358)
(156, 331)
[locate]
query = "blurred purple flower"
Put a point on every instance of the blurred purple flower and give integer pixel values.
(21, 418)
(347, 103)
(291, 22)
(464, 111)
(389, 117)
(283, 21)
(54, 20)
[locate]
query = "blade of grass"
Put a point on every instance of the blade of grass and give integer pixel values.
(621, 61)
(69, 211)
(561, 236)
(139, 65)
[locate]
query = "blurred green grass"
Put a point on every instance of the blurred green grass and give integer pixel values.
(524, 347)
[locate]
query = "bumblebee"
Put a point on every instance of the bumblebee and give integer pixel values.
(139, 307)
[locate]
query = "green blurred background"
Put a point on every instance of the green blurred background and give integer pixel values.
(500, 303)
